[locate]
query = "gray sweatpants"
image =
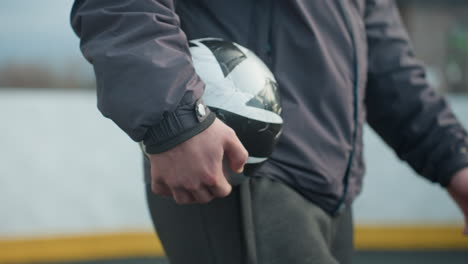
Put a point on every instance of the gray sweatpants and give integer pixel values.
(262, 222)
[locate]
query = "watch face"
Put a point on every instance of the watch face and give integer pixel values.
(200, 109)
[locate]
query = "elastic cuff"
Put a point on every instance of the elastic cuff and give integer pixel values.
(165, 145)
(451, 168)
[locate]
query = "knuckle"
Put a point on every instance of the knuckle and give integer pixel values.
(224, 192)
(204, 198)
(211, 180)
(181, 200)
(159, 181)
(159, 190)
(245, 155)
(173, 184)
(155, 186)
(239, 162)
(230, 132)
(155, 189)
(191, 187)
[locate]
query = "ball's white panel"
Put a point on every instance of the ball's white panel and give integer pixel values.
(237, 104)
(218, 89)
(250, 75)
(255, 160)
(231, 93)
(207, 67)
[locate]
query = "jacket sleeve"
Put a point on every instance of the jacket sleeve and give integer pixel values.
(145, 78)
(408, 114)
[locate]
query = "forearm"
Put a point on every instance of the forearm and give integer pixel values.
(402, 107)
(146, 82)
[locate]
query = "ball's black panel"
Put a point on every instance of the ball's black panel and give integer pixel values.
(259, 138)
(267, 98)
(226, 53)
(192, 44)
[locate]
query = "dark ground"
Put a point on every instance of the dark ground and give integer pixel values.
(362, 257)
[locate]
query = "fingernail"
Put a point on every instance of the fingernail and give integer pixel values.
(240, 170)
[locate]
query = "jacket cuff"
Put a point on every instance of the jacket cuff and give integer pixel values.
(177, 127)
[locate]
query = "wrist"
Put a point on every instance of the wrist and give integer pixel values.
(178, 126)
(458, 178)
(451, 167)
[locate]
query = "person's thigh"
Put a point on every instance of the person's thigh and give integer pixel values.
(262, 222)
(208, 234)
(289, 228)
(343, 233)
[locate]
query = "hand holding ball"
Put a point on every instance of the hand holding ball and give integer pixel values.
(242, 92)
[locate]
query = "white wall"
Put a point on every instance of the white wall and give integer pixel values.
(65, 169)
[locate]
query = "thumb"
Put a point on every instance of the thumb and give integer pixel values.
(236, 154)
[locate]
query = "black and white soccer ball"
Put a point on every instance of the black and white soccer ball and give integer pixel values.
(242, 92)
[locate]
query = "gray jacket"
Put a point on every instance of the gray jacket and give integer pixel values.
(339, 63)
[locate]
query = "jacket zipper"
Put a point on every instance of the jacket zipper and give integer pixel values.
(341, 202)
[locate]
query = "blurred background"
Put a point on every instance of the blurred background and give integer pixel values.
(71, 187)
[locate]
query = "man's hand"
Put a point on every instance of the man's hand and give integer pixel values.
(458, 189)
(192, 172)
